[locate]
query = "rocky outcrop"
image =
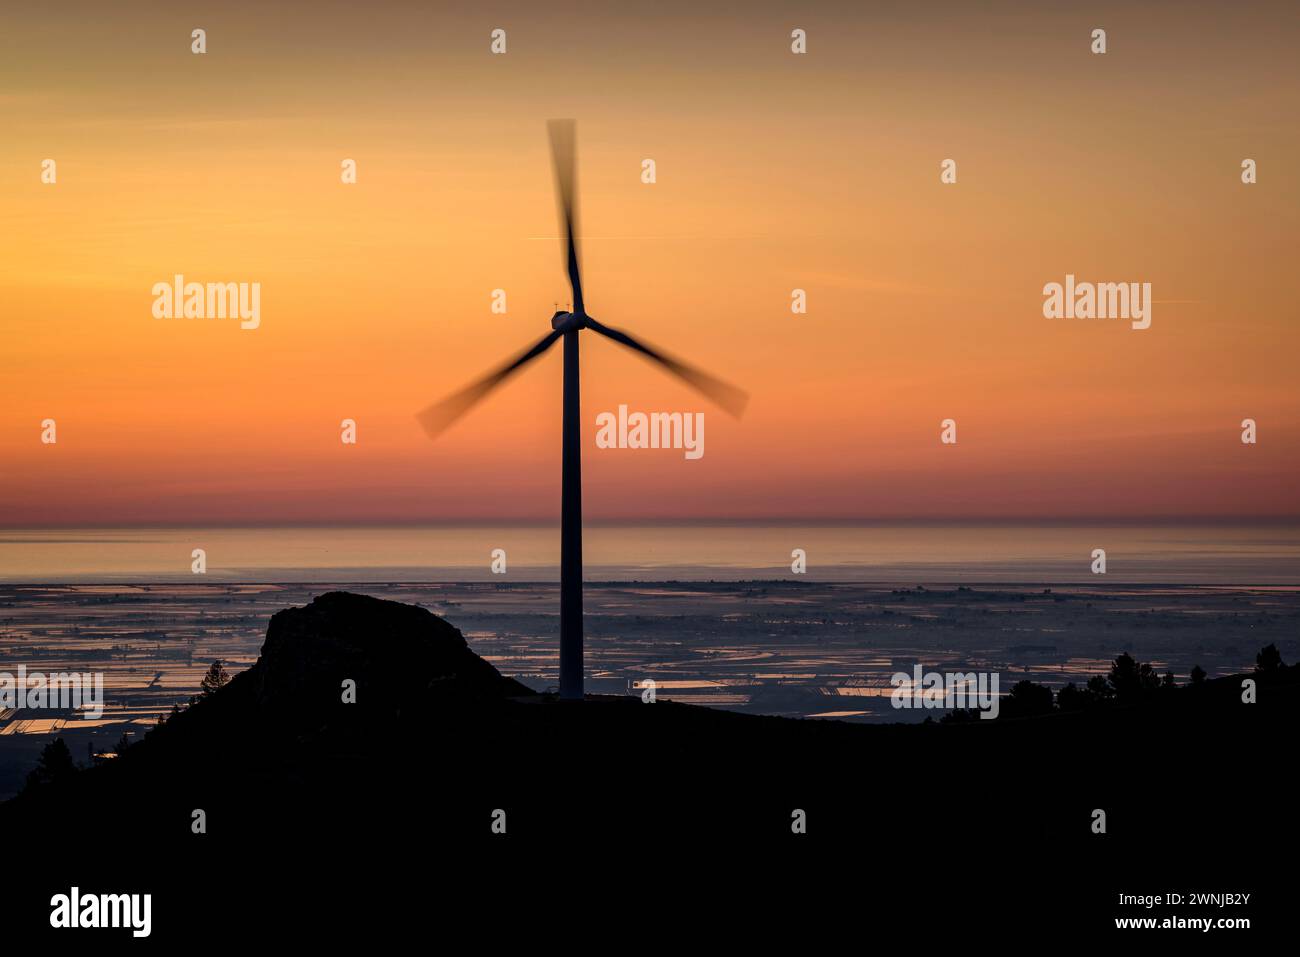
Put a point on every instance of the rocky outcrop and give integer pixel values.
(394, 653)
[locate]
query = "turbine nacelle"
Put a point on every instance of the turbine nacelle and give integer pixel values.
(564, 321)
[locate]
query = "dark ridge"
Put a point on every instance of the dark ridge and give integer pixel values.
(438, 739)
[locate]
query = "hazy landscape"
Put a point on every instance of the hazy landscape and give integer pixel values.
(798, 649)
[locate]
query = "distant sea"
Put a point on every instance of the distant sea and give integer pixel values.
(1256, 554)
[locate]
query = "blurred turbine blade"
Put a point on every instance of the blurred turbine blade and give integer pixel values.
(730, 398)
(438, 416)
(564, 155)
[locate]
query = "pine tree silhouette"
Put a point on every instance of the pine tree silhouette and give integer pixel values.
(1268, 659)
(55, 764)
(214, 679)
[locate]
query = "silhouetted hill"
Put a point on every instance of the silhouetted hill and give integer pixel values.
(396, 654)
(438, 739)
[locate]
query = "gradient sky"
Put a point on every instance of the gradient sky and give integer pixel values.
(775, 171)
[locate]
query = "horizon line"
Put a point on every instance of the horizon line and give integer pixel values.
(704, 521)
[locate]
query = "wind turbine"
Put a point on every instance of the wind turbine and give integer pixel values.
(437, 417)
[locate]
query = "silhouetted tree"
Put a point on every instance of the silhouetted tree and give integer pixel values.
(1026, 699)
(1269, 659)
(1124, 676)
(1098, 690)
(1148, 678)
(122, 744)
(163, 719)
(1072, 698)
(1130, 681)
(214, 679)
(1167, 681)
(1198, 676)
(54, 765)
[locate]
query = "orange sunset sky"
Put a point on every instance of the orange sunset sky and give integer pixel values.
(775, 172)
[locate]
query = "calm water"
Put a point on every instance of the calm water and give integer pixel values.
(1211, 554)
